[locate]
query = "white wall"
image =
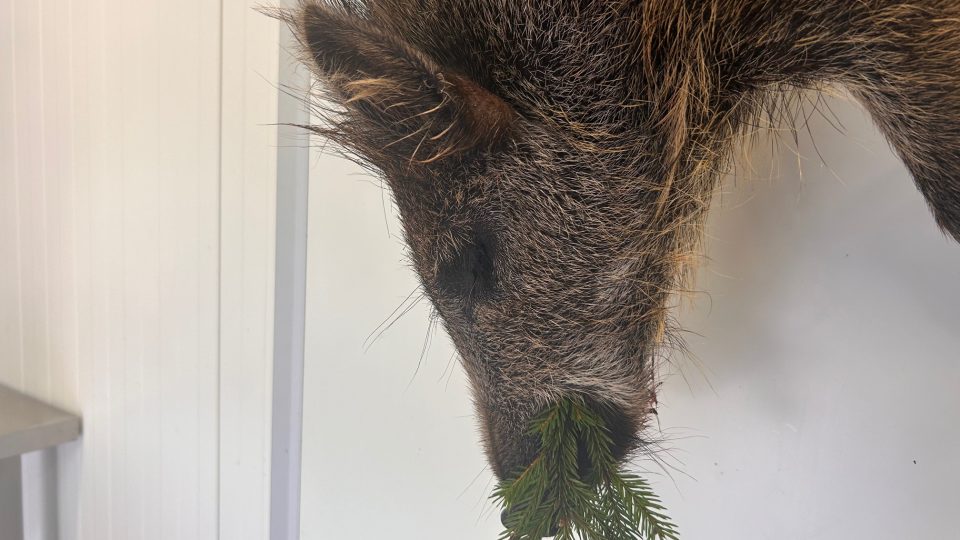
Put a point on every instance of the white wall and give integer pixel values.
(828, 404)
(823, 364)
(137, 169)
(387, 446)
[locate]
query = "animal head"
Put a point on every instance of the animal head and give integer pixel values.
(553, 162)
(536, 218)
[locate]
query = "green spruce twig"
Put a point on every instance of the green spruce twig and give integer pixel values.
(555, 496)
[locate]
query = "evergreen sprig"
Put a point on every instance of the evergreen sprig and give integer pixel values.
(556, 496)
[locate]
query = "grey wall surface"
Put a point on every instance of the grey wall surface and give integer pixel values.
(819, 400)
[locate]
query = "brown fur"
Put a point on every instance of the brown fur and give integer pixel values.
(553, 161)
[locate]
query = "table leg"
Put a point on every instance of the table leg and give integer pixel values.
(11, 503)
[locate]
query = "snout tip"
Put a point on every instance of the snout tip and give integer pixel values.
(505, 518)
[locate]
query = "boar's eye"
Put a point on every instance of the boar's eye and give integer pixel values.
(471, 273)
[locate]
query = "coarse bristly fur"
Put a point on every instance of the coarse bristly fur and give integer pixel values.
(553, 161)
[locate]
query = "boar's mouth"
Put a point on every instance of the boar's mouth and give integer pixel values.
(621, 427)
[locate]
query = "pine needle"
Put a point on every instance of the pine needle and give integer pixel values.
(556, 496)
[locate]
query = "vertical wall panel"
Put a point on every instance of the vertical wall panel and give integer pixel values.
(31, 178)
(110, 258)
(59, 167)
(248, 201)
(10, 324)
(75, 467)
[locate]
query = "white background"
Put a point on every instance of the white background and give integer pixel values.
(821, 399)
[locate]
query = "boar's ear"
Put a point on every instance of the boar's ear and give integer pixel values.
(401, 107)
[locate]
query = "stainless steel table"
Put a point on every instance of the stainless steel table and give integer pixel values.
(26, 425)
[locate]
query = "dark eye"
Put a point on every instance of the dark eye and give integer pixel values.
(471, 274)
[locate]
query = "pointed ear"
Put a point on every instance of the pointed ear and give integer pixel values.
(400, 105)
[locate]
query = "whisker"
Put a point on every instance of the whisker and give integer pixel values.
(475, 478)
(427, 340)
(390, 320)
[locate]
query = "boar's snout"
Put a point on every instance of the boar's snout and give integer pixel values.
(512, 445)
